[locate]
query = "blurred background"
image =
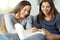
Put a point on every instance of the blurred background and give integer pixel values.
(7, 5)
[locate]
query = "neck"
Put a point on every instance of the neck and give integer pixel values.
(19, 20)
(48, 17)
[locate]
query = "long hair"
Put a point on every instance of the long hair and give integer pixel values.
(53, 10)
(20, 6)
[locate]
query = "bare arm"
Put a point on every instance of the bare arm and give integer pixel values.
(57, 37)
(50, 35)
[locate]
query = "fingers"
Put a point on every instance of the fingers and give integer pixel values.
(34, 29)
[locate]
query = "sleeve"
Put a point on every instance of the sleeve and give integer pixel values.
(58, 22)
(29, 22)
(8, 22)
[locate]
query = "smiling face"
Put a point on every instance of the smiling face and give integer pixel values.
(25, 11)
(45, 8)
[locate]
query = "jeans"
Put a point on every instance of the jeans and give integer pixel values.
(34, 37)
(2, 37)
(37, 37)
(11, 36)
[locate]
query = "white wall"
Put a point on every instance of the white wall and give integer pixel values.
(35, 7)
(57, 4)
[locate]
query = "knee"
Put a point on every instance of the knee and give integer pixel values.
(38, 37)
(42, 37)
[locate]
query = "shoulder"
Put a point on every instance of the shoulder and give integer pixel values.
(8, 15)
(57, 16)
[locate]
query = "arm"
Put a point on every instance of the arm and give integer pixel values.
(8, 22)
(57, 37)
(51, 36)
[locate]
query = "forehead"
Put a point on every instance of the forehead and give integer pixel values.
(46, 3)
(27, 7)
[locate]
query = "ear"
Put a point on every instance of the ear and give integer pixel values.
(59, 29)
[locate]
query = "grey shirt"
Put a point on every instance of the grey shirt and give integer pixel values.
(10, 21)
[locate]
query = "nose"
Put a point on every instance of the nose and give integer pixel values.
(26, 12)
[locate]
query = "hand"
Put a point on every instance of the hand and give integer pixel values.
(51, 37)
(48, 34)
(14, 31)
(40, 30)
(32, 30)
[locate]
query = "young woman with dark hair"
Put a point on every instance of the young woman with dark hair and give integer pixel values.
(48, 19)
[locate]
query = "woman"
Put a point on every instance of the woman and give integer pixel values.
(20, 15)
(49, 20)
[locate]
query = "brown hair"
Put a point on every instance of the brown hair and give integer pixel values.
(53, 9)
(3, 26)
(20, 6)
(16, 9)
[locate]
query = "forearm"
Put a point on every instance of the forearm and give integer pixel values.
(57, 37)
(51, 36)
(47, 33)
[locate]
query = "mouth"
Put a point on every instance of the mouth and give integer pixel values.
(25, 16)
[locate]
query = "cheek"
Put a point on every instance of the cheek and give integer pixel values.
(48, 9)
(42, 9)
(22, 13)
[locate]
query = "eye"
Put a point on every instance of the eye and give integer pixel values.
(42, 6)
(47, 6)
(24, 9)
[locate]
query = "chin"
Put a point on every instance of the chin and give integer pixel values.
(22, 17)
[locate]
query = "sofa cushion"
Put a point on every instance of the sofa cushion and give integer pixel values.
(1, 15)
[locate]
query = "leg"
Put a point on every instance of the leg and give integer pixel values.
(2, 37)
(12, 36)
(37, 37)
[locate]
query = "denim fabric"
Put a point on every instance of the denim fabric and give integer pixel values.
(37, 37)
(3, 37)
(12, 36)
(34, 37)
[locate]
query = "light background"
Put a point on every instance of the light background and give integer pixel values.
(7, 5)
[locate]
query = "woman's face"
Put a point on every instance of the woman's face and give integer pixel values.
(45, 8)
(25, 11)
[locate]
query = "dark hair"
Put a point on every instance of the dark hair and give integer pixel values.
(20, 6)
(53, 9)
